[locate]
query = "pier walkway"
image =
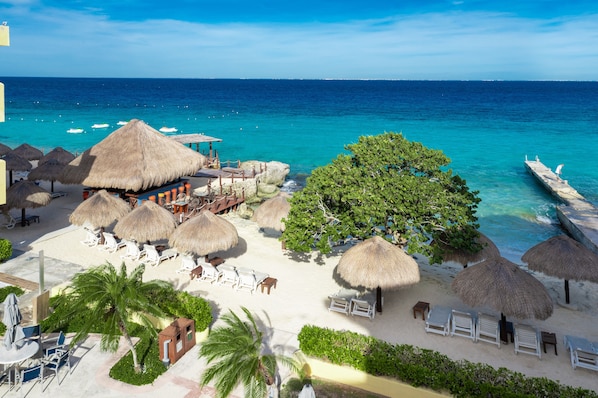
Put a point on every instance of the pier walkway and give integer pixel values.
(578, 216)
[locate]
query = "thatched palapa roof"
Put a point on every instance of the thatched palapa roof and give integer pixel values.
(4, 149)
(503, 286)
(28, 152)
(204, 234)
(135, 157)
(100, 210)
(57, 154)
(270, 213)
(147, 222)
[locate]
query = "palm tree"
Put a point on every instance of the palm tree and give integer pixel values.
(235, 354)
(115, 298)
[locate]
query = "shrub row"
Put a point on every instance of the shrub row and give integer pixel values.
(426, 368)
(5, 249)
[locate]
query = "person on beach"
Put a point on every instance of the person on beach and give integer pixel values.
(558, 170)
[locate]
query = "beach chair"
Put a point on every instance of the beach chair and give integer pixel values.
(584, 354)
(527, 340)
(188, 264)
(132, 251)
(249, 279)
(362, 307)
(154, 258)
(32, 373)
(111, 245)
(341, 301)
(487, 329)
(9, 221)
(209, 273)
(463, 324)
(438, 320)
(59, 357)
(92, 237)
(228, 275)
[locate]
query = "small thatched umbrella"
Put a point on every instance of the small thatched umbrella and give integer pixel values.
(565, 258)
(378, 264)
(48, 171)
(4, 149)
(26, 194)
(503, 286)
(15, 162)
(465, 258)
(100, 210)
(145, 223)
(204, 234)
(58, 154)
(270, 213)
(135, 157)
(28, 152)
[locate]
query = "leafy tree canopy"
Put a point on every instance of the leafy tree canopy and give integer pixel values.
(386, 186)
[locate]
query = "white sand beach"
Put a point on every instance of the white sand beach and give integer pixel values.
(300, 298)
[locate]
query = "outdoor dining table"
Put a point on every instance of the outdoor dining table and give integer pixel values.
(15, 356)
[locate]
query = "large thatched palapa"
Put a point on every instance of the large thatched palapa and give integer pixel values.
(135, 157)
(48, 171)
(28, 152)
(565, 258)
(378, 264)
(15, 162)
(489, 250)
(147, 222)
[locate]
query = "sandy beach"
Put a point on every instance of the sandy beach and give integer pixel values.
(300, 298)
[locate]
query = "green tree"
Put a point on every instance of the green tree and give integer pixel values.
(235, 354)
(108, 301)
(386, 186)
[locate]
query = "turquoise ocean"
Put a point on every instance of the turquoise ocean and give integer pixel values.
(486, 128)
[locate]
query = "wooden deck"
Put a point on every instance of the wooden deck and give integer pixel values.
(578, 216)
(20, 282)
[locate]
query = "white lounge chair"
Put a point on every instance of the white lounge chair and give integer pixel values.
(363, 307)
(487, 329)
(341, 301)
(209, 273)
(9, 221)
(463, 324)
(228, 275)
(188, 264)
(110, 243)
(132, 251)
(527, 340)
(439, 320)
(584, 354)
(92, 237)
(249, 279)
(154, 258)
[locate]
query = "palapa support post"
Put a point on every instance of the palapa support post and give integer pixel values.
(567, 291)
(503, 328)
(379, 299)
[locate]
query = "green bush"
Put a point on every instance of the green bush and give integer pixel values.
(184, 305)
(426, 368)
(5, 249)
(148, 354)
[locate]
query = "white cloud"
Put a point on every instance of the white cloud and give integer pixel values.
(431, 46)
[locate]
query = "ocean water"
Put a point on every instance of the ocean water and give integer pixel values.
(486, 128)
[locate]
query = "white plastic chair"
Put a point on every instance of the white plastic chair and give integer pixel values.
(463, 325)
(363, 308)
(110, 243)
(132, 251)
(527, 340)
(249, 279)
(187, 264)
(209, 273)
(438, 320)
(487, 329)
(9, 222)
(154, 258)
(92, 238)
(228, 275)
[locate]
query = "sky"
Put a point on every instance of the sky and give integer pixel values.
(323, 39)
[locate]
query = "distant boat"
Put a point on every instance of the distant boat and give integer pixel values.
(122, 123)
(100, 126)
(76, 130)
(168, 129)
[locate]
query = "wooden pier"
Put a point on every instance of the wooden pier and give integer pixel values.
(578, 216)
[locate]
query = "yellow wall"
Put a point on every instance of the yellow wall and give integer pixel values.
(379, 385)
(4, 35)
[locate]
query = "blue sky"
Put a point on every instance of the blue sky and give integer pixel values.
(350, 39)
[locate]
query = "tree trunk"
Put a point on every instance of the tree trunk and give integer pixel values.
(131, 348)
